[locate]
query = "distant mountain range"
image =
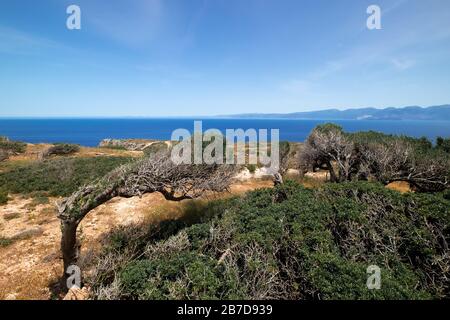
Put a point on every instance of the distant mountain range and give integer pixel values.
(405, 113)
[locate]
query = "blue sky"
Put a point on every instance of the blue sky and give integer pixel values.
(209, 57)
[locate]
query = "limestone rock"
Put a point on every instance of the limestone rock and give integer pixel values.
(76, 293)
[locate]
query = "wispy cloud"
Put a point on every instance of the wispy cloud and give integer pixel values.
(403, 64)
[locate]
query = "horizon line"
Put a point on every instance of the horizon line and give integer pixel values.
(223, 116)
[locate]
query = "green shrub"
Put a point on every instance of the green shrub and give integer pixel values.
(251, 168)
(61, 149)
(58, 177)
(446, 194)
(3, 197)
(315, 244)
(4, 242)
(443, 144)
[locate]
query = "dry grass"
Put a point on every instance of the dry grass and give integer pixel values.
(30, 286)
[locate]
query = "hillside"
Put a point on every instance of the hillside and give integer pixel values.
(406, 113)
(307, 238)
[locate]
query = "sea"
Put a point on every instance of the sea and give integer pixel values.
(89, 132)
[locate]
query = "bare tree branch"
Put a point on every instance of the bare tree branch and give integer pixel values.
(156, 173)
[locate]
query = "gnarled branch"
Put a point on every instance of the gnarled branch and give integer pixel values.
(156, 173)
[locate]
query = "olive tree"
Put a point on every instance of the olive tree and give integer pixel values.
(156, 173)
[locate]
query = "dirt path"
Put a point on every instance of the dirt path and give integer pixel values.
(29, 236)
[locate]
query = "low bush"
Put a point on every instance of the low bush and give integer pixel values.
(58, 177)
(317, 244)
(12, 146)
(251, 168)
(443, 144)
(61, 149)
(4, 242)
(3, 196)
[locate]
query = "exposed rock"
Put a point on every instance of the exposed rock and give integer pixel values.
(318, 175)
(244, 175)
(260, 173)
(400, 186)
(11, 296)
(293, 172)
(76, 293)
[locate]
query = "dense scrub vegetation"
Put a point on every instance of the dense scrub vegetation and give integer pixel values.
(58, 177)
(316, 244)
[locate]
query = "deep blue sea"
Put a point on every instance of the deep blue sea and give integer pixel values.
(89, 132)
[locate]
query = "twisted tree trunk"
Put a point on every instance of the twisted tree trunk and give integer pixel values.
(154, 174)
(69, 243)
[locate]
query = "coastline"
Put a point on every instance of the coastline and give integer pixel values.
(91, 131)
